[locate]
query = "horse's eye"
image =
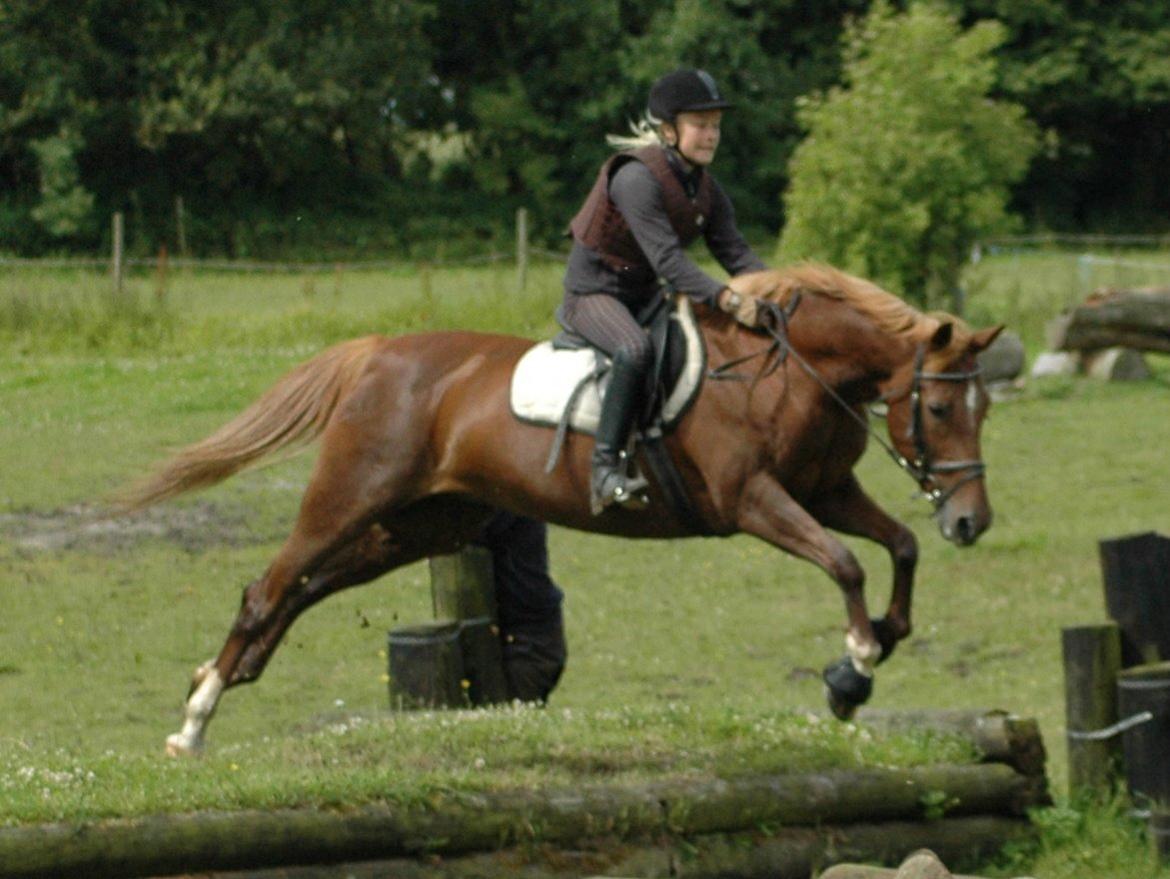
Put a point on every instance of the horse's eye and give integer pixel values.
(939, 410)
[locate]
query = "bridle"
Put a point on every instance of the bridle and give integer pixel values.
(922, 469)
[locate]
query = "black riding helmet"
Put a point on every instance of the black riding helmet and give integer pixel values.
(682, 91)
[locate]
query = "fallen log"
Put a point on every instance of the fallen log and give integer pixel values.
(783, 853)
(1113, 318)
(468, 822)
(998, 736)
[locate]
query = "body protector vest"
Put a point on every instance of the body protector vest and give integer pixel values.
(600, 226)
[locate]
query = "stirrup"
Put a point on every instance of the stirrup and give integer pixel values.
(611, 485)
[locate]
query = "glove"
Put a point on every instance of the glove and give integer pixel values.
(745, 309)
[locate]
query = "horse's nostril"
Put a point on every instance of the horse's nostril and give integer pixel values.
(965, 528)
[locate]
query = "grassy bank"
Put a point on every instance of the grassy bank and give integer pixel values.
(700, 654)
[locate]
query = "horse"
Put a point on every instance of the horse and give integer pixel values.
(418, 447)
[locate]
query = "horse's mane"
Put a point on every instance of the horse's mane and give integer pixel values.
(889, 313)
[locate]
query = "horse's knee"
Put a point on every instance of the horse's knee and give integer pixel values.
(847, 571)
(905, 550)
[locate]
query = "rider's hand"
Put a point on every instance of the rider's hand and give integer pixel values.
(745, 309)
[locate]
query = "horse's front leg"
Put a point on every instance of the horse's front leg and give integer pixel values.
(850, 510)
(769, 512)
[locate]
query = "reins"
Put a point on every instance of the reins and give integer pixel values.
(774, 321)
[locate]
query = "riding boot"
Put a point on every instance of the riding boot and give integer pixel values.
(610, 482)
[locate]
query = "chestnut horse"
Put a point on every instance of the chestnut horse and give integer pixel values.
(418, 446)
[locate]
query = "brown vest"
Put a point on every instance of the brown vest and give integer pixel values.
(600, 226)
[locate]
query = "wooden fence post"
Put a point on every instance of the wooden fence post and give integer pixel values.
(521, 248)
(456, 661)
(1092, 659)
(181, 226)
(116, 257)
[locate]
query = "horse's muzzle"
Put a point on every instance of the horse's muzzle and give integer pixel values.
(963, 527)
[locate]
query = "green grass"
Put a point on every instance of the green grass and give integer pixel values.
(700, 654)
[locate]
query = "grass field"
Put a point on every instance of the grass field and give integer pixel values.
(684, 655)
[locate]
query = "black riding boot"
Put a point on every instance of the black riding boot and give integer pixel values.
(610, 482)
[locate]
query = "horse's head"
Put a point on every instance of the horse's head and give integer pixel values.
(937, 403)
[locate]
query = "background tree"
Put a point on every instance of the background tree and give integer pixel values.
(1097, 77)
(908, 162)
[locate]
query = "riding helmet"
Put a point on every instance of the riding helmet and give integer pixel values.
(682, 91)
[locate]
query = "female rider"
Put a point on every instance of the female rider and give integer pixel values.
(647, 204)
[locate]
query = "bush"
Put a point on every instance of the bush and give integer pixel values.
(910, 161)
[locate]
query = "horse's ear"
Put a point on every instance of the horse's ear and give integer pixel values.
(982, 340)
(942, 336)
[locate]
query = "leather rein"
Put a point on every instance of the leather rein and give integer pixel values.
(922, 469)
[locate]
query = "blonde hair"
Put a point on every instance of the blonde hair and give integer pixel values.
(645, 132)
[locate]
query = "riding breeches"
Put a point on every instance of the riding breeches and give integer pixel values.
(608, 324)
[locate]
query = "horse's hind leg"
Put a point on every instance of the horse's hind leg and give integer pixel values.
(428, 527)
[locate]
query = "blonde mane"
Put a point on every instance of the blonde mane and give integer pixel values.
(889, 313)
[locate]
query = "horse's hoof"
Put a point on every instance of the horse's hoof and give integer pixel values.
(178, 746)
(846, 688)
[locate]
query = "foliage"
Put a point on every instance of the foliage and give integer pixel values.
(269, 117)
(1097, 77)
(909, 162)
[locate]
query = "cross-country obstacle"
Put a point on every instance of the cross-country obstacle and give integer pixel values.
(778, 825)
(1117, 685)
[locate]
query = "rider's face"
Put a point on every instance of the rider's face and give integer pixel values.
(696, 135)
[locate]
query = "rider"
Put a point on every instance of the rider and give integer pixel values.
(648, 203)
(528, 603)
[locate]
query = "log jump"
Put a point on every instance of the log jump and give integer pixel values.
(779, 825)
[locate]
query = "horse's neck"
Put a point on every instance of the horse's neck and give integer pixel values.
(844, 346)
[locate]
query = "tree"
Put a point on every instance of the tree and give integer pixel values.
(909, 161)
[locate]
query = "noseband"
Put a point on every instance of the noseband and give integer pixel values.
(774, 320)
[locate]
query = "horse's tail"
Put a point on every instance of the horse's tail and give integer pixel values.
(293, 412)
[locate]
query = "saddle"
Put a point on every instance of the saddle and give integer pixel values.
(561, 383)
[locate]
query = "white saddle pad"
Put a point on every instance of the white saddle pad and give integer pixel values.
(545, 378)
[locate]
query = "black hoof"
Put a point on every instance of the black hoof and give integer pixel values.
(884, 632)
(847, 688)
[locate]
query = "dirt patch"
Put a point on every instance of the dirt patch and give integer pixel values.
(193, 527)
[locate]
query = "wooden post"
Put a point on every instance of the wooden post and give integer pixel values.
(462, 586)
(116, 256)
(160, 276)
(181, 226)
(1136, 571)
(521, 248)
(456, 661)
(1143, 704)
(1092, 659)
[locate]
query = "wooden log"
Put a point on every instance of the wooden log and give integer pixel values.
(784, 853)
(1092, 658)
(1138, 319)
(471, 822)
(998, 736)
